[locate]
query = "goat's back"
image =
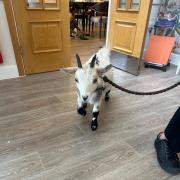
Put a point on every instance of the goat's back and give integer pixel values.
(103, 58)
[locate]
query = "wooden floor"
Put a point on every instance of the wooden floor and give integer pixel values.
(43, 138)
(85, 48)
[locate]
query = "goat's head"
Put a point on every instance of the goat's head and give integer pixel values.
(86, 78)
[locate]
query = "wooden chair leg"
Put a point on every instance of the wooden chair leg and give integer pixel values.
(105, 25)
(83, 23)
(100, 28)
(92, 27)
(86, 22)
(89, 25)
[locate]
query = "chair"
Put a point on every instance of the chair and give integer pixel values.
(99, 14)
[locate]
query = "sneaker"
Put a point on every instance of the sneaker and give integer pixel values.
(167, 158)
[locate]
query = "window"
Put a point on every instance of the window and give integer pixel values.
(42, 4)
(129, 5)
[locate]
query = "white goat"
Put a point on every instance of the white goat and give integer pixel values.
(90, 86)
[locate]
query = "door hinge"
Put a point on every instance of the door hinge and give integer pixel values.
(21, 50)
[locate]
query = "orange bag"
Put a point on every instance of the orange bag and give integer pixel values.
(159, 49)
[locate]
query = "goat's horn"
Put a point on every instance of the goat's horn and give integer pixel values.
(78, 61)
(93, 61)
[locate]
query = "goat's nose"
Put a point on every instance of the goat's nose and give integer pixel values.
(85, 98)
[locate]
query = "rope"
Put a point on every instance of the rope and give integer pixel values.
(105, 79)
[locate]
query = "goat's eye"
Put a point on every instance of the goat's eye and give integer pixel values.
(76, 80)
(94, 81)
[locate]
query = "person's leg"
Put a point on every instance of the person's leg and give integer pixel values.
(172, 131)
(165, 143)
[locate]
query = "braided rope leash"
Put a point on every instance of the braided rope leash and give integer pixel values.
(105, 79)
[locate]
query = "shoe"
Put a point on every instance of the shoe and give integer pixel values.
(167, 158)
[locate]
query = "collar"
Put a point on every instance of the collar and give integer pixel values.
(100, 88)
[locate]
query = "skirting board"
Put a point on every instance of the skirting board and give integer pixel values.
(7, 72)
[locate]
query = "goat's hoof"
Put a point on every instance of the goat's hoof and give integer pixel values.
(107, 98)
(94, 125)
(82, 111)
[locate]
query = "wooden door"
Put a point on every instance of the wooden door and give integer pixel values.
(127, 25)
(43, 30)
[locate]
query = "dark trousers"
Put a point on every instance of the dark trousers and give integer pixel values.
(172, 131)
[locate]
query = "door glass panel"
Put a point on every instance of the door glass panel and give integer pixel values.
(34, 4)
(51, 4)
(122, 4)
(135, 4)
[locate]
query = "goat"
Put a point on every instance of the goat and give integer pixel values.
(90, 86)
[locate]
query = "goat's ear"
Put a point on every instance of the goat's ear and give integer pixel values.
(70, 70)
(104, 70)
(92, 63)
(78, 61)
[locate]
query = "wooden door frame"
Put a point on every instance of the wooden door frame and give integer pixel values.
(14, 36)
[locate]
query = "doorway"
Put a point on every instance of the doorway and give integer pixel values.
(88, 27)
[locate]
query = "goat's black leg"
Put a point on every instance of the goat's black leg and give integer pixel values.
(94, 122)
(81, 107)
(96, 108)
(81, 111)
(107, 96)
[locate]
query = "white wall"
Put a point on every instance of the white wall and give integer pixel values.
(9, 68)
(152, 19)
